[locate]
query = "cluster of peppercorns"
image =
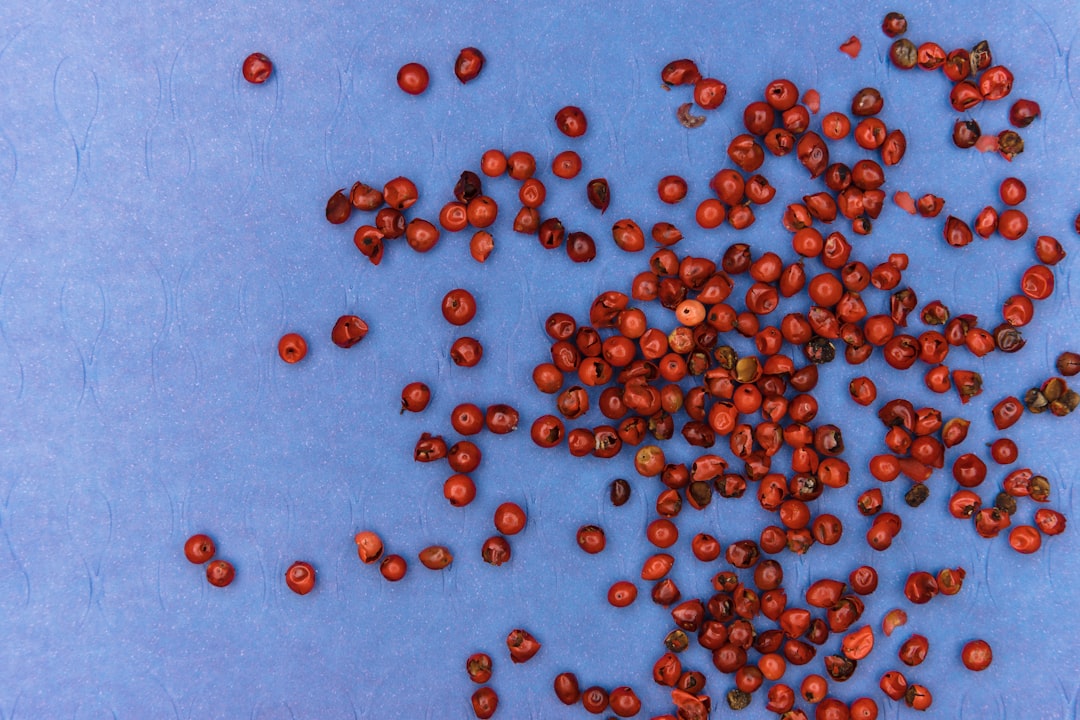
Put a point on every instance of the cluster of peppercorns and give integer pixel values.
(1055, 394)
(637, 376)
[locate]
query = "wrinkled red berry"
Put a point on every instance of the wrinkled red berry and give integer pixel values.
(257, 68)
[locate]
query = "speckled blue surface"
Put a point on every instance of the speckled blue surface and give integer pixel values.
(162, 225)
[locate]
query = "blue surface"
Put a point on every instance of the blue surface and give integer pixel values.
(163, 226)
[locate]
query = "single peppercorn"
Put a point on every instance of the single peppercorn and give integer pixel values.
(738, 699)
(917, 495)
(1005, 502)
(677, 641)
(1068, 363)
(620, 492)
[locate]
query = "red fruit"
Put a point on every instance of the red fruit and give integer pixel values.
(522, 645)
(977, 655)
(458, 306)
(468, 65)
(479, 667)
(348, 330)
(292, 348)
(485, 702)
(199, 549)
(369, 547)
(393, 567)
(436, 557)
(300, 577)
(257, 68)
(413, 78)
(571, 121)
(220, 573)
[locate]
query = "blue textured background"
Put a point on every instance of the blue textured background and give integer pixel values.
(161, 225)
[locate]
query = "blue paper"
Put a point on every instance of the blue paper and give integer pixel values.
(163, 226)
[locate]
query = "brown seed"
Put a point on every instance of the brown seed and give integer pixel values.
(1035, 401)
(1068, 363)
(620, 492)
(1006, 502)
(737, 699)
(917, 495)
(686, 119)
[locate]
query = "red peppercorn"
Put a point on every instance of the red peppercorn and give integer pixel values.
(566, 165)
(1007, 412)
(1004, 451)
(459, 489)
(415, 397)
(458, 306)
(368, 546)
(680, 72)
(510, 519)
(977, 655)
(393, 567)
(199, 549)
(468, 65)
(918, 697)
(1025, 539)
(478, 666)
(591, 539)
(957, 232)
(624, 702)
(709, 93)
(1023, 113)
(571, 121)
(466, 352)
(338, 207)
(920, 587)
(257, 68)
(495, 551)
(863, 580)
(671, 189)
(566, 688)
(436, 557)
(484, 703)
(220, 573)
(913, 650)
(522, 645)
(292, 348)
(348, 330)
(413, 78)
(300, 577)
(622, 594)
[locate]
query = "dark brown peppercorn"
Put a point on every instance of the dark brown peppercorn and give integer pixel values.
(917, 495)
(894, 24)
(1035, 401)
(903, 54)
(1039, 488)
(1068, 363)
(1005, 502)
(819, 350)
(737, 699)
(677, 641)
(620, 492)
(966, 133)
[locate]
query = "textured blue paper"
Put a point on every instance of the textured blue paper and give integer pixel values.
(162, 226)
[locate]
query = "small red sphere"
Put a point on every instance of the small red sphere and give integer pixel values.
(292, 348)
(413, 78)
(571, 121)
(348, 330)
(199, 549)
(977, 655)
(220, 573)
(300, 577)
(257, 68)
